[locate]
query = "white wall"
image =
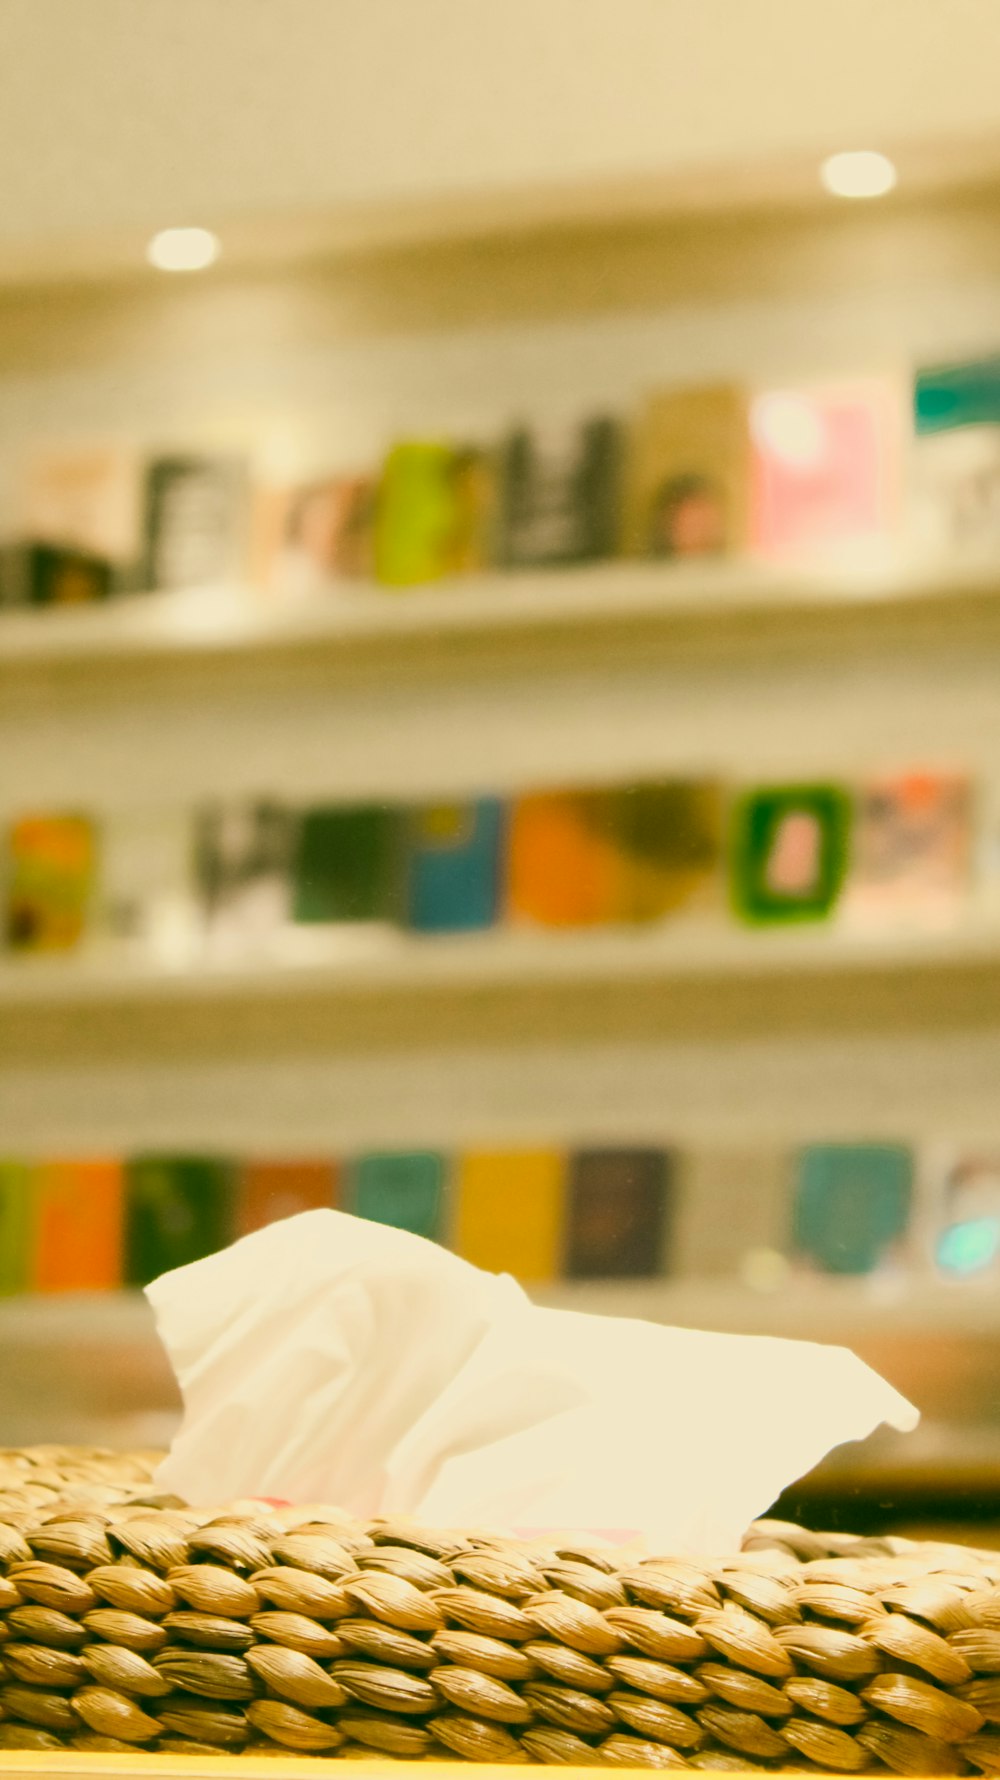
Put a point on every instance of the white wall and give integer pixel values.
(378, 117)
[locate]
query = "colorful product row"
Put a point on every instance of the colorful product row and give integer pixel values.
(94, 1225)
(700, 471)
(569, 858)
(539, 1214)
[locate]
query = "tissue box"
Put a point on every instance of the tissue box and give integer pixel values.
(278, 1630)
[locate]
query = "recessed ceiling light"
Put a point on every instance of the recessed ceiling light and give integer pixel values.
(858, 173)
(183, 250)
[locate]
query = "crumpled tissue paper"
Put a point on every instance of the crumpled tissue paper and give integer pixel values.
(326, 1358)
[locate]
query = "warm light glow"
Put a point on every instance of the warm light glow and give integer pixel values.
(860, 173)
(183, 250)
(789, 427)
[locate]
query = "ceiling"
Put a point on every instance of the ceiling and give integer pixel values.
(301, 124)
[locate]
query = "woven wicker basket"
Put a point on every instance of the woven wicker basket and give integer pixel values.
(129, 1620)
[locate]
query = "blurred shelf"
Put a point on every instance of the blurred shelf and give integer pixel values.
(839, 1311)
(62, 1319)
(937, 1461)
(89, 1367)
(84, 1368)
(826, 1310)
(310, 963)
(582, 601)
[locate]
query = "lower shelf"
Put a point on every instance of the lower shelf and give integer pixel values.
(90, 1368)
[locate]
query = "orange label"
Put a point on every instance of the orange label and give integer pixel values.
(566, 869)
(272, 1190)
(79, 1227)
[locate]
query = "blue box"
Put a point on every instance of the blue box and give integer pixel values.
(454, 865)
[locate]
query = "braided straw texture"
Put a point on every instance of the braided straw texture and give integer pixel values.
(131, 1621)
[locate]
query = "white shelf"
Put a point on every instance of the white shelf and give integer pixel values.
(310, 962)
(843, 1311)
(90, 1367)
(238, 621)
(808, 1309)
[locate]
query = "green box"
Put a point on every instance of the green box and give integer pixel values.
(349, 864)
(16, 1226)
(851, 1204)
(403, 1188)
(178, 1209)
(789, 852)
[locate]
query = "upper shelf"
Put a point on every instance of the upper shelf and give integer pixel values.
(584, 602)
(371, 960)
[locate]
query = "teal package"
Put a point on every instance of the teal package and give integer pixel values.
(957, 395)
(851, 1204)
(404, 1188)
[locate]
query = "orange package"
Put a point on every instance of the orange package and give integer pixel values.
(78, 1228)
(566, 867)
(509, 1212)
(269, 1190)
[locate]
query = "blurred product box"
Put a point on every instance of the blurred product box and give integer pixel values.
(474, 493)
(403, 1188)
(510, 1209)
(243, 858)
(349, 863)
(84, 498)
(321, 532)
(620, 1214)
(670, 834)
(955, 499)
(565, 865)
(827, 467)
(687, 492)
(559, 493)
(51, 867)
(267, 1191)
(196, 516)
(789, 852)
(964, 1196)
(431, 512)
(454, 863)
(79, 1216)
(732, 1214)
(912, 848)
(851, 1206)
(52, 575)
(17, 1180)
(178, 1209)
(147, 892)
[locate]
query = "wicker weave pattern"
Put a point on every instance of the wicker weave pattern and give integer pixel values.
(131, 1621)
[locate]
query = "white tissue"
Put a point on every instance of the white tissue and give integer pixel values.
(326, 1358)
